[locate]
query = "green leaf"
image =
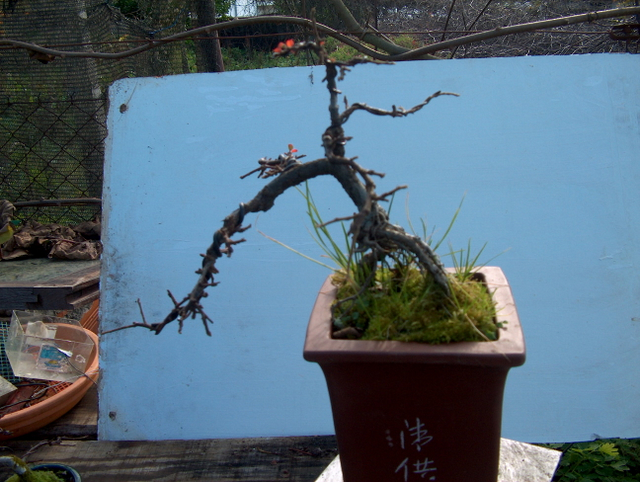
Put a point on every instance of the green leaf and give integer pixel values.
(620, 465)
(609, 449)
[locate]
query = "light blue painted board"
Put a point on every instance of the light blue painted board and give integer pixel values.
(545, 149)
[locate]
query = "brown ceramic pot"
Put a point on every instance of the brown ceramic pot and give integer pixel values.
(412, 411)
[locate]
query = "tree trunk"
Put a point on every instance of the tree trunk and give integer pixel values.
(209, 55)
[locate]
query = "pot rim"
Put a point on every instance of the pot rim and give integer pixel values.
(508, 351)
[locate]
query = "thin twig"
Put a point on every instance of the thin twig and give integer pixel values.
(384, 196)
(395, 111)
(519, 28)
(57, 441)
(337, 220)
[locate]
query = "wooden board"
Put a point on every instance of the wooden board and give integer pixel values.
(48, 284)
(71, 440)
(258, 459)
(80, 421)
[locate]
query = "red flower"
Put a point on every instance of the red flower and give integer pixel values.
(288, 44)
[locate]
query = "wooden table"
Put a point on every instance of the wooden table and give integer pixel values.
(72, 440)
(48, 284)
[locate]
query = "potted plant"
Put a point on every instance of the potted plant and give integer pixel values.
(46, 472)
(422, 411)
(408, 410)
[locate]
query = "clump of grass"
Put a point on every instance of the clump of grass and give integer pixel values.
(339, 51)
(402, 302)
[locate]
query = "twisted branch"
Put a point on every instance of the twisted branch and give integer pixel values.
(370, 228)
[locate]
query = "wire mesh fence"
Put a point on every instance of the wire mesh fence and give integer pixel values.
(52, 150)
(53, 112)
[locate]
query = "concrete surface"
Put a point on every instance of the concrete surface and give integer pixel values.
(519, 462)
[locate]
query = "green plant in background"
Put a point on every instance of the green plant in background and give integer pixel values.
(239, 59)
(607, 460)
(339, 51)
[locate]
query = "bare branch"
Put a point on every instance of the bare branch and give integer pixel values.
(207, 29)
(397, 53)
(368, 35)
(144, 323)
(394, 112)
(46, 54)
(370, 228)
(337, 220)
(413, 244)
(520, 28)
(271, 167)
(384, 196)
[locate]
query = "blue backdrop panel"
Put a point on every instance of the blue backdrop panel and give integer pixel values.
(545, 151)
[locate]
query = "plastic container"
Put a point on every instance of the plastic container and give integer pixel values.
(47, 348)
(66, 397)
(6, 390)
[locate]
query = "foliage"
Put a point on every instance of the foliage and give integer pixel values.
(134, 9)
(407, 41)
(129, 8)
(339, 51)
(239, 59)
(36, 476)
(607, 460)
(325, 11)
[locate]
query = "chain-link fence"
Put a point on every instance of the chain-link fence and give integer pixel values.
(52, 149)
(53, 113)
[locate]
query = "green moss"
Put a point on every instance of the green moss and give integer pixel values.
(28, 475)
(406, 305)
(36, 476)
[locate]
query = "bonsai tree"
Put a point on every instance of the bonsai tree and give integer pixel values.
(380, 253)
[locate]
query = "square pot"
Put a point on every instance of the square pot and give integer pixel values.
(413, 411)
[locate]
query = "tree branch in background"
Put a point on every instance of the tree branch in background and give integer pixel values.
(209, 48)
(396, 53)
(520, 28)
(368, 36)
